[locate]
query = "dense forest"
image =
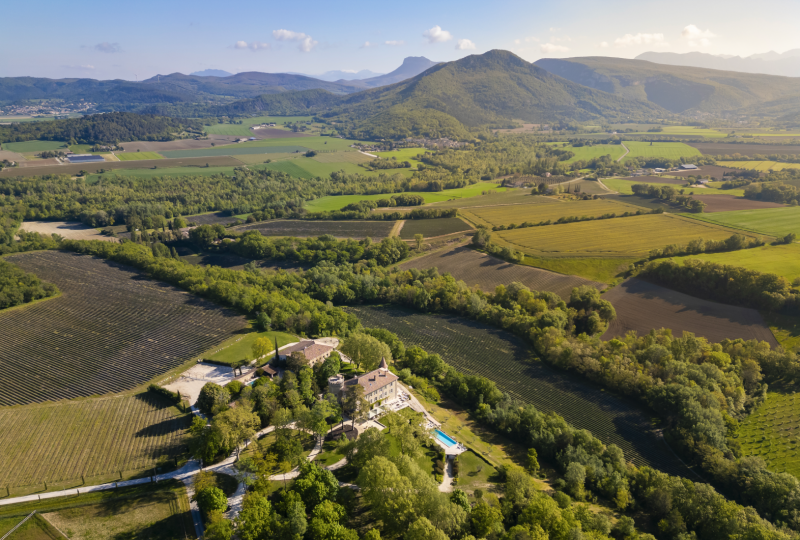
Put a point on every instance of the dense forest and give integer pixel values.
(105, 128)
(19, 287)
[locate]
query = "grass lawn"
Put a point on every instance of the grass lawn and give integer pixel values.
(783, 260)
(239, 347)
(604, 270)
(36, 528)
(785, 328)
(598, 150)
(759, 165)
(335, 202)
(136, 156)
(771, 221)
(153, 512)
(475, 473)
(669, 150)
(328, 456)
(34, 146)
(306, 439)
(624, 187)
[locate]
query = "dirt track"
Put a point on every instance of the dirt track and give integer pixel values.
(476, 268)
(642, 306)
(725, 203)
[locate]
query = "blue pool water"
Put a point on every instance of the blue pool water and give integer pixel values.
(444, 438)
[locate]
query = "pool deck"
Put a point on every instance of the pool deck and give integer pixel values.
(452, 450)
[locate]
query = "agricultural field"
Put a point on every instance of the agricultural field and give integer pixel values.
(623, 186)
(287, 147)
(487, 272)
(587, 153)
(313, 142)
(729, 203)
(155, 168)
(189, 170)
(211, 218)
(630, 236)
(29, 147)
(763, 166)
(719, 148)
(342, 157)
(243, 130)
(303, 167)
(771, 221)
(772, 432)
(668, 150)
(783, 259)
(240, 347)
(152, 511)
(403, 154)
(70, 230)
(686, 131)
(431, 228)
(136, 156)
(496, 197)
(305, 228)
(599, 269)
(642, 306)
(335, 202)
(97, 438)
(476, 349)
(493, 216)
(111, 330)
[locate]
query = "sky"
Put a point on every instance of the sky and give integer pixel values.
(109, 40)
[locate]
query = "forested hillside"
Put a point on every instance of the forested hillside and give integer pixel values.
(100, 128)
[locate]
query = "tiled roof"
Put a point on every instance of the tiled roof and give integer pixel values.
(316, 350)
(374, 380)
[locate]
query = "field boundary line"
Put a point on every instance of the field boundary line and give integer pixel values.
(398, 226)
(625, 154)
(735, 230)
(18, 525)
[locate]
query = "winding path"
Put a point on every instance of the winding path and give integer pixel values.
(626, 152)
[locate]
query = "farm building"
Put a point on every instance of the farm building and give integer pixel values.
(314, 352)
(84, 158)
(688, 167)
(379, 385)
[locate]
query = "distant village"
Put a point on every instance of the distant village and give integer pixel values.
(47, 109)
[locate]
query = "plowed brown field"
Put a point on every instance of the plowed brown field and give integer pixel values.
(642, 306)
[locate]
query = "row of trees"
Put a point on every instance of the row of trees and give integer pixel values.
(669, 194)
(733, 243)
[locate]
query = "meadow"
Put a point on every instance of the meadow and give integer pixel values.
(783, 259)
(335, 202)
(668, 150)
(630, 236)
(286, 147)
(239, 347)
(495, 197)
(98, 438)
(303, 167)
(111, 330)
(476, 349)
(598, 150)
(314, 142)
(243, 129)
(431, 228)
(192, 170)
(136, 156)
(772, 432)
(688, 131)
(29, 147)
(763, 166)
(342, 157)
(623, 185)
(771, 221)
(306, 228)
(506, 215)
(403, 154)
(152, 511)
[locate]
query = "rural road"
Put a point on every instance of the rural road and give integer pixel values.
(626, 152)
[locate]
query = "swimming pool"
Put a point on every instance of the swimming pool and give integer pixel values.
(445, 439)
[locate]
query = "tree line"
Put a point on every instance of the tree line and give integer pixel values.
(18, 287)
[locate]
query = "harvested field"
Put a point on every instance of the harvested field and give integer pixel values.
(714, 171)
(233, 150)
(110, 166)
(642, 306)
(182, 144)
(71, 230)
(654, 180)
(495, 198)
(487, 272)
(590, 187)
(11, 156)
(476, 349)
(91, 437)
(725, 203)
(492, 216)
(342, 157)
(137, 156)
(745, 149)
(111, 330)
(629, 236)
(306, 228)
(49, 162)
(431, 228)
(212, 218)
(643, 202)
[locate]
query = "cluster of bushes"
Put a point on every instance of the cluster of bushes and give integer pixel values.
(383, 163)
(573, 219)
(670, 194)
(174, 397)
(776, 192)
(482, 239)
(734, 243)
(18, 287)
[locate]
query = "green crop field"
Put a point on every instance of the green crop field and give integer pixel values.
(783, 260)
(58, 442)
(243, 129)
(403, 154)
(759, 165)
(690, 131)
(166, 171)
(433, 227)
(495, 197)
(668, 150)
(535, 213)
(287, 146)
(314, 142)
(476, 349)
(136, 156)
(624, 187)
(772, 432)
(152, 511)
(110, 330)
(303, 167)
(335, 202)
(630, 236)
(342, 157)
(240, 347)
(771, 221)
(598, 150)
(34, 146)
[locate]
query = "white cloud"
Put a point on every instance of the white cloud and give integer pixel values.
(304, 42)
(368, 45)
(253, 45)
(395, 43)
(107, 47)
(553, 48)
(464, 45)
(697, 37)
(437, 35)
(604, 44)
(553, 29)
(640, 39)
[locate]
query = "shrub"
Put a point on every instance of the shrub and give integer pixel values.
(234, 387)
(175, 397)
(212, 397)
(211, 499)
(562, 499)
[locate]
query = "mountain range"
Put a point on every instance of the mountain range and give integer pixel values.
(211, 73)
(786, 64)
